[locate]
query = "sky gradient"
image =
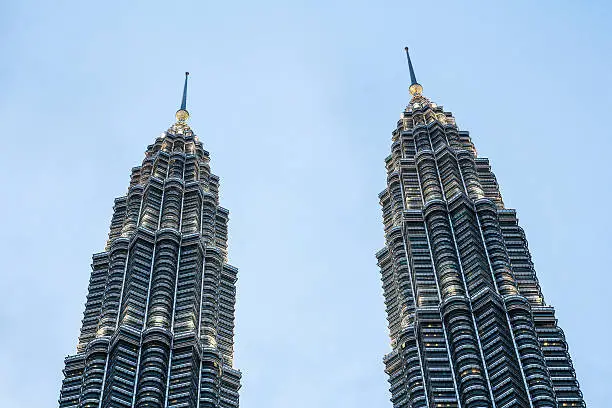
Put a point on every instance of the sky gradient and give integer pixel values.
(296, 103)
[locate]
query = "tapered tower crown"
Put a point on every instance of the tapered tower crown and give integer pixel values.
(467, 319)
(158, 327)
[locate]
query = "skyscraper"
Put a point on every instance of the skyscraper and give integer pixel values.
(158, 325)
(468, 323)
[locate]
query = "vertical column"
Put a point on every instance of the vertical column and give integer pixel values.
(120, 370)
(227, 302)
(482, 229)
(210, 381)
(119, 213)
(428, 327)
(151, 205)
(184, 373)
(134, 201)
(114, 286)
(459, 323)
(157, 338)
(73, 378)
(456, 310)
(519, 257)
(137, 275)
(403, 315)
(555, 349)
(94, 373)
(211, 364)
(209, 209)
(210, 296)
(192, 209)
(95, 297)
(230, 384)
(153, 368)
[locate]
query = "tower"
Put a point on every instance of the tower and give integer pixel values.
(468, 323)
(158, 325)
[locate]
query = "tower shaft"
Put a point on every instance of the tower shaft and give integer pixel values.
(468, 323)
(158, 325)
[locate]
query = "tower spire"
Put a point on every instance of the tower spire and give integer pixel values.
(182, 114)
(415, 87)
(184, 101)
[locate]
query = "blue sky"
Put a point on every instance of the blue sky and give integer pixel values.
(296, 102)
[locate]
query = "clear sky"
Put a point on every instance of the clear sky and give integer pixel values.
(296, 101)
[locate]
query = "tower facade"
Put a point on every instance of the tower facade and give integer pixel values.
(158, 325)
(468, 323)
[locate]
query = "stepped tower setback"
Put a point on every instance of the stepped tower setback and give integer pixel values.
(468, 322)
(158, 326)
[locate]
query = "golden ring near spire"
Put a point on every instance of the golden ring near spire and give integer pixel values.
(415, 89)
(182, 115)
